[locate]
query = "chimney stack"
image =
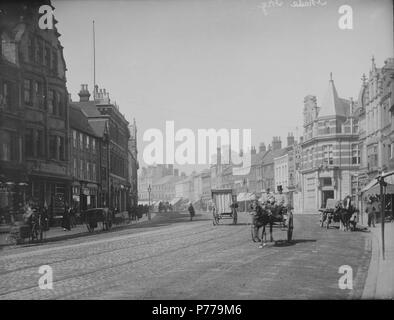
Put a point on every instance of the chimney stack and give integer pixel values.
(276, 143)
(290, 139)
(84, 94)
(253, 151)
(262, 147)
(218, 157)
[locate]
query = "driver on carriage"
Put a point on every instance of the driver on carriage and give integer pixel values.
(277, 205)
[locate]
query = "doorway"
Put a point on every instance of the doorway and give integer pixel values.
(327, 194)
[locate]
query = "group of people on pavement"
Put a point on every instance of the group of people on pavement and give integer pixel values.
(69, 219)
(372, 204)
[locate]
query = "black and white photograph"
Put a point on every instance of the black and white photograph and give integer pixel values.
(180, 151)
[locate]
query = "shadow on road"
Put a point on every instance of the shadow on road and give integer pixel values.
(285, 243)
(230, 224)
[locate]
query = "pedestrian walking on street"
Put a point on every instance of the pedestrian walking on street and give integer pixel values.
(66, 218)
(73, 220)
(191, 211)
(371, 211)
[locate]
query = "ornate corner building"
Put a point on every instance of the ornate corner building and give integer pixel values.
(330, 149)
(33, 110)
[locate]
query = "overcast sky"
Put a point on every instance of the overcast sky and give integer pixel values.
(220, 63)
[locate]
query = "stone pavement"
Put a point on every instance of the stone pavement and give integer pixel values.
(380, 279)
(57, 233)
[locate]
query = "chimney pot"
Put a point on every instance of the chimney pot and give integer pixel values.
(84, 94)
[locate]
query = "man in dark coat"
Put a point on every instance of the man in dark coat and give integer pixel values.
(66, 218)
(191, 211)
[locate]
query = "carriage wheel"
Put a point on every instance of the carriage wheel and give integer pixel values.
(290, 228)
(322, 220)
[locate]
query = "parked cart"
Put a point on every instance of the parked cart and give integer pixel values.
(224, 205)
(92, 217)
(328, 215)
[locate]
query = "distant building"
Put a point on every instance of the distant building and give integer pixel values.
(149, 175)
(133, 165)
(107, 121)
(163, 189)
(85, 161)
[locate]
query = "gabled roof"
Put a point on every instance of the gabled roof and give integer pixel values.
(79, 121)
(269, 158)
(332, 105)
(98, 126)
(88, 107)
(257, 158)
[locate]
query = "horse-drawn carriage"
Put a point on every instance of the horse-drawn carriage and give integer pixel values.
(31, 227)
(329, 214)
(335, 212)
(224, 205)
(92, 217)
(276, 216)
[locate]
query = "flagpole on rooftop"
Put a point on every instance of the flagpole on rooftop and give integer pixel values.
(94, 63)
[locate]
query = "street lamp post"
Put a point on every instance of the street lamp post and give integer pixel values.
(149, 190)
(383, 185)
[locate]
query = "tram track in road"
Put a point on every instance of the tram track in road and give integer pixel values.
(130, 261)
(111, 250)
(263, 254)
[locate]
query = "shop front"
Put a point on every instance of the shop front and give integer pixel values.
(51, 193)
(88, 196)
(12, 195)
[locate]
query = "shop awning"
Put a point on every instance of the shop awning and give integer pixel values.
(143, 202)
(174, 201)
(241, 196)
(246, 196)
(373, 188)
(370, 184)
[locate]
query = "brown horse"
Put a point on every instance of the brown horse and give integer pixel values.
(266, 215)
(345, 217)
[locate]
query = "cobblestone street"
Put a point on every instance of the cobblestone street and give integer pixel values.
(173, 258)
